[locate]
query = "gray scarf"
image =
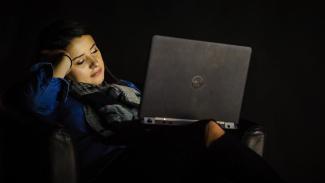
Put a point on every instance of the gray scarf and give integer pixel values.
(108, 105)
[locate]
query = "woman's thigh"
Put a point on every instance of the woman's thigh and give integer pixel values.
(163, 154)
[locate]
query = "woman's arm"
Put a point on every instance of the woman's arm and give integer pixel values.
(62, 62)
(46, 88)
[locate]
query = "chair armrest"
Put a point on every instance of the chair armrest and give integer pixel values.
(254, 138)
(62, 157)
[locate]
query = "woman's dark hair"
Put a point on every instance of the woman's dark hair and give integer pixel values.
(59, 34)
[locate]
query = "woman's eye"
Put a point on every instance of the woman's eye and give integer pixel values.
(80, 62)
(96, 50)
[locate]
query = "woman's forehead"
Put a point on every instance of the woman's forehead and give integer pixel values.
(80, 45)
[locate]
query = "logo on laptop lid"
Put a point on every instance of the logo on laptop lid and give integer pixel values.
(197, 81)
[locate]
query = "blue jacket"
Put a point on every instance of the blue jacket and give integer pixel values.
(49, 99)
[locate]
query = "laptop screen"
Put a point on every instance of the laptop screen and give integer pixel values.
(190, 79)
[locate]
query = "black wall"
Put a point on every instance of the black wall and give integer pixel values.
(284, 86)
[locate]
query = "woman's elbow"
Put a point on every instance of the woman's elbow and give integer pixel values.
(40, 107)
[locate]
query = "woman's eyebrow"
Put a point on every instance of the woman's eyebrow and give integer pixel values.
(92, 46)
(83, 54)
(77, 57)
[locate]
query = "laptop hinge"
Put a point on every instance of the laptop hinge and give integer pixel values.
(177, 122)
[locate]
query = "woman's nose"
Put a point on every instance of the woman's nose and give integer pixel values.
(93, 62)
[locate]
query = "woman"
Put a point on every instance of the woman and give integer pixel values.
(71, 86)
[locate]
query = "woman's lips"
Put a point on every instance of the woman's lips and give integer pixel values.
(97, 73)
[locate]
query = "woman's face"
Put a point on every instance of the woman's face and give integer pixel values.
(87, 61)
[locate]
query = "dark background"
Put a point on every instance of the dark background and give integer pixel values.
(284, 85)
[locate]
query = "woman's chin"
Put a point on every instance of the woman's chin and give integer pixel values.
(98, 81)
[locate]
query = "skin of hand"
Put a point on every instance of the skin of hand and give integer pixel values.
(212, 132)
(61, 62)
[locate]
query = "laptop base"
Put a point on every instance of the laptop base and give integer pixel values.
(179, 122)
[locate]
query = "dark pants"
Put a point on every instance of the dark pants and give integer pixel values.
(162, 154)
(178, 154)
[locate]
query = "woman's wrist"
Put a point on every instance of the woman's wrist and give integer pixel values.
(65, 55)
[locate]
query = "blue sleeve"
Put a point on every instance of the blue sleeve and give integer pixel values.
(43, 93)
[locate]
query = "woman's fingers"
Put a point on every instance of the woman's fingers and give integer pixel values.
(212, 132)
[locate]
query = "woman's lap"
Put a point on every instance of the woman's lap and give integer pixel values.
(168, 154)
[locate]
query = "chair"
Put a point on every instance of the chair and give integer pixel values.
(62, 157)
(49, 156)
(254, 138)
(32, 152)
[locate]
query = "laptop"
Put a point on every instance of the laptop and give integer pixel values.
(190, 80)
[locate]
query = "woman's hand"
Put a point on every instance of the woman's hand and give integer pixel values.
(61, 61)
(212, 132)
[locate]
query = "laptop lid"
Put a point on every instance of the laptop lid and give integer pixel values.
(190, 79)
